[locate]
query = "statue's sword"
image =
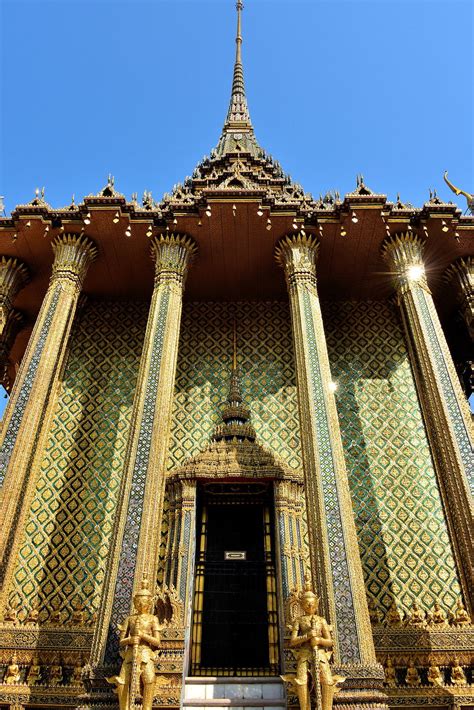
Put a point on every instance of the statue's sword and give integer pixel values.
(316, 673)
(135, 674)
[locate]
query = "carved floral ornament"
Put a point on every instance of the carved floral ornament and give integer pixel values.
(73, 254)
(14, 275)
(172, 253)
(297, 253)
(239, 459)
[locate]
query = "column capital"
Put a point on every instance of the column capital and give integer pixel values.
(14, 275)
(403, 252)
(13, 325)
(172, 254)
(73, 254)
(297, 253)
(461, 272)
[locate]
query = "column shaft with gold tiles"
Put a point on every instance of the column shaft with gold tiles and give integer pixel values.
(446, 413)
(334, 553)
(35, 383)
(137, 536)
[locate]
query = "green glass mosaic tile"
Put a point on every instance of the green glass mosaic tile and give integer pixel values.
(403, 538)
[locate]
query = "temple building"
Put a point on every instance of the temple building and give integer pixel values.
(223, 405)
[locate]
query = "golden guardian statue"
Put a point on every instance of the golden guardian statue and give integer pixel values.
(312, 644)
(139, 637)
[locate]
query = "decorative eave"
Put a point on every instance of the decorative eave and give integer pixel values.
(235, 459)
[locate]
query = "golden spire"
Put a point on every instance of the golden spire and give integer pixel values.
(235, 415)
(238, 114)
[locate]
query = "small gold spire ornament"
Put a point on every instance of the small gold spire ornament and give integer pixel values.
(311, 642)
(139, 637)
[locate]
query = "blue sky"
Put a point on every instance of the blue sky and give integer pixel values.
(140, 89)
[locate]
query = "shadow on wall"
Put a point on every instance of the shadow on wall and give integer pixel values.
(391, 475)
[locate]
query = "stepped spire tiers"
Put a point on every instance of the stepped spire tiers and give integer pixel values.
(235, 415)
(238, 163)
(238, 135)
(238, 115)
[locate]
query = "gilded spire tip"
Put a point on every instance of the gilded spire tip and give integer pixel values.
(238, 110)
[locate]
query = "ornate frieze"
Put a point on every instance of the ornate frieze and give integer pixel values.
(447, 419)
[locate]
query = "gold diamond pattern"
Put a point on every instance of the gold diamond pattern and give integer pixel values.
(403, 538)
(63, 554)
(402, 532)
(265, 358)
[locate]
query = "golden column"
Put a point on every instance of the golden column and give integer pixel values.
(138, 529)
(334, 552)
(446, 413)
(13, 276)
(461, 274)
(35, 381)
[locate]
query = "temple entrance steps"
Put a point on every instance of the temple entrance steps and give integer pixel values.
(238, 693)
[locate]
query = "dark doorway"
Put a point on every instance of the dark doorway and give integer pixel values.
(234, 622)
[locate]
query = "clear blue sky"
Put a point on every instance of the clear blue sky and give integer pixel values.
(140, 89)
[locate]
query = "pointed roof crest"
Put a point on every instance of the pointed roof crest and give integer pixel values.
(238, 114)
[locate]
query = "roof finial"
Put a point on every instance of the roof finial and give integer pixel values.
(238, 39)
(238, 110)
(235, 415)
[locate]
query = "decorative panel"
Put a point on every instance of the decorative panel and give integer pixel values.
(403, 538)
(265, 355)
(63, 554)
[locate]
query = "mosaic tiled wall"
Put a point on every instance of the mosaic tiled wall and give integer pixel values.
(265, 355)
(402, 532)
(63, 554)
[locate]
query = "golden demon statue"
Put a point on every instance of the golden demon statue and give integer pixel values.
(311, 643)
(139, 637)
